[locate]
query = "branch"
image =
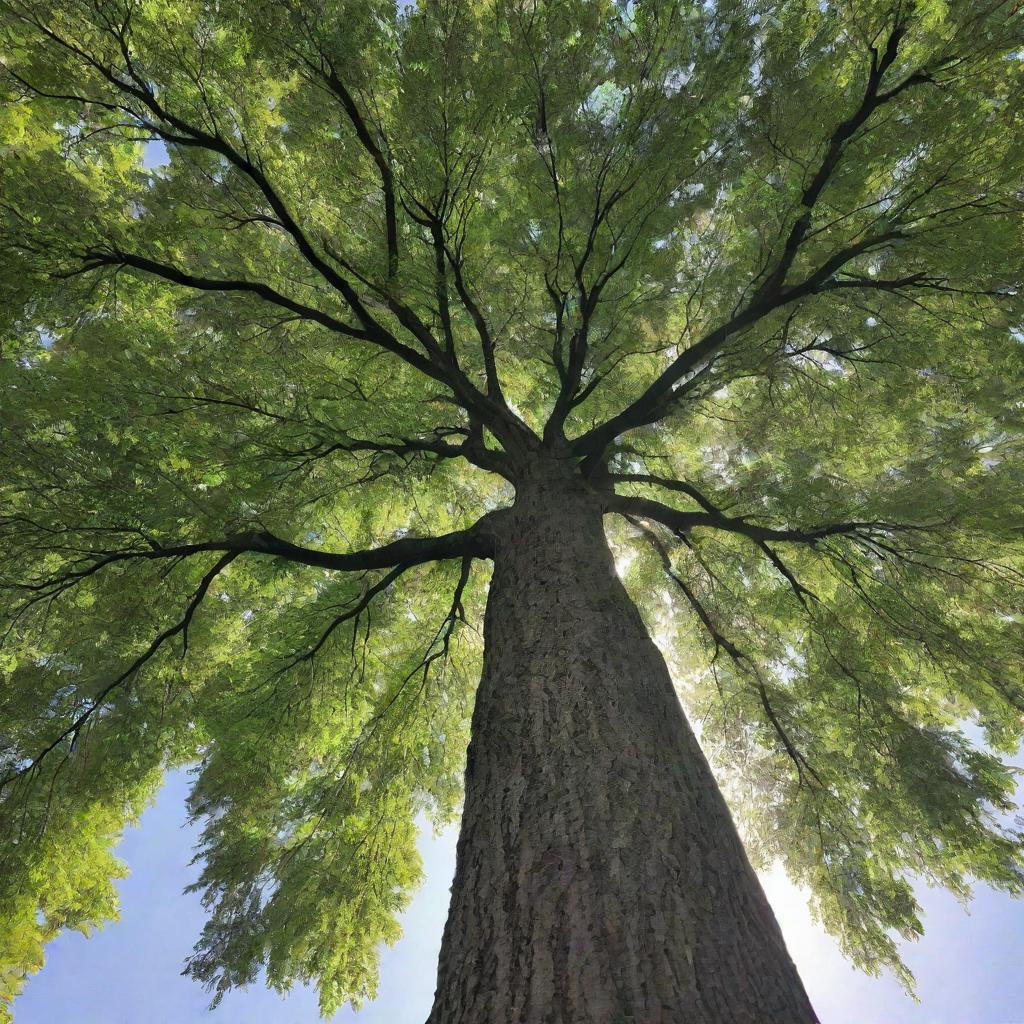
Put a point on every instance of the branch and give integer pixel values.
(800, 591)
(446, 256)
(671, 485)
(353, 613)
(655, 402)
(400, 555)
(74, 730)
(329, 74)
(407, 552)
(740, 660)
(473, 452)
(683, 522)
(456, 613)
(480, 323)
(132, 83)
(773, 293)
(116, 258)
(873, 99)
(722, 643)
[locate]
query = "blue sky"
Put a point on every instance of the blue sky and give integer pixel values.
(154, 155)
(968, 965)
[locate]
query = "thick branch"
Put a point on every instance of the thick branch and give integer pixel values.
(470, 450)
(482, 329)
(175, 129)
(409, 551)
(799, 590)
(330, 76)
(683, 522)
(653, 404)
(671, 485)
(115, 258)
(773, 293)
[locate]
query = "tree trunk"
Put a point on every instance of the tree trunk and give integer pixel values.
(599, 877)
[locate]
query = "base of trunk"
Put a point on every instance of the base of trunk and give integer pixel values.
(599, 876)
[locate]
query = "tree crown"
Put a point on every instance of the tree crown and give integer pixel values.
(750, 268)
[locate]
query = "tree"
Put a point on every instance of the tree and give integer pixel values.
(431, 309)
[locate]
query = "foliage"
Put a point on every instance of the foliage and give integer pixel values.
(753, 266)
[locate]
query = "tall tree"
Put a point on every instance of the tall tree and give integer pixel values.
(545, 307)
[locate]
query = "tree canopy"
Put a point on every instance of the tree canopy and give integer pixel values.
(756, 264)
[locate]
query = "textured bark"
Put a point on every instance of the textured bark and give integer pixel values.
(599, 878)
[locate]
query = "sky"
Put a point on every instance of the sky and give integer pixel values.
(968, 965)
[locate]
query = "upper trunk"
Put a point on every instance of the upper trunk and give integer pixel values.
(599, 876)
